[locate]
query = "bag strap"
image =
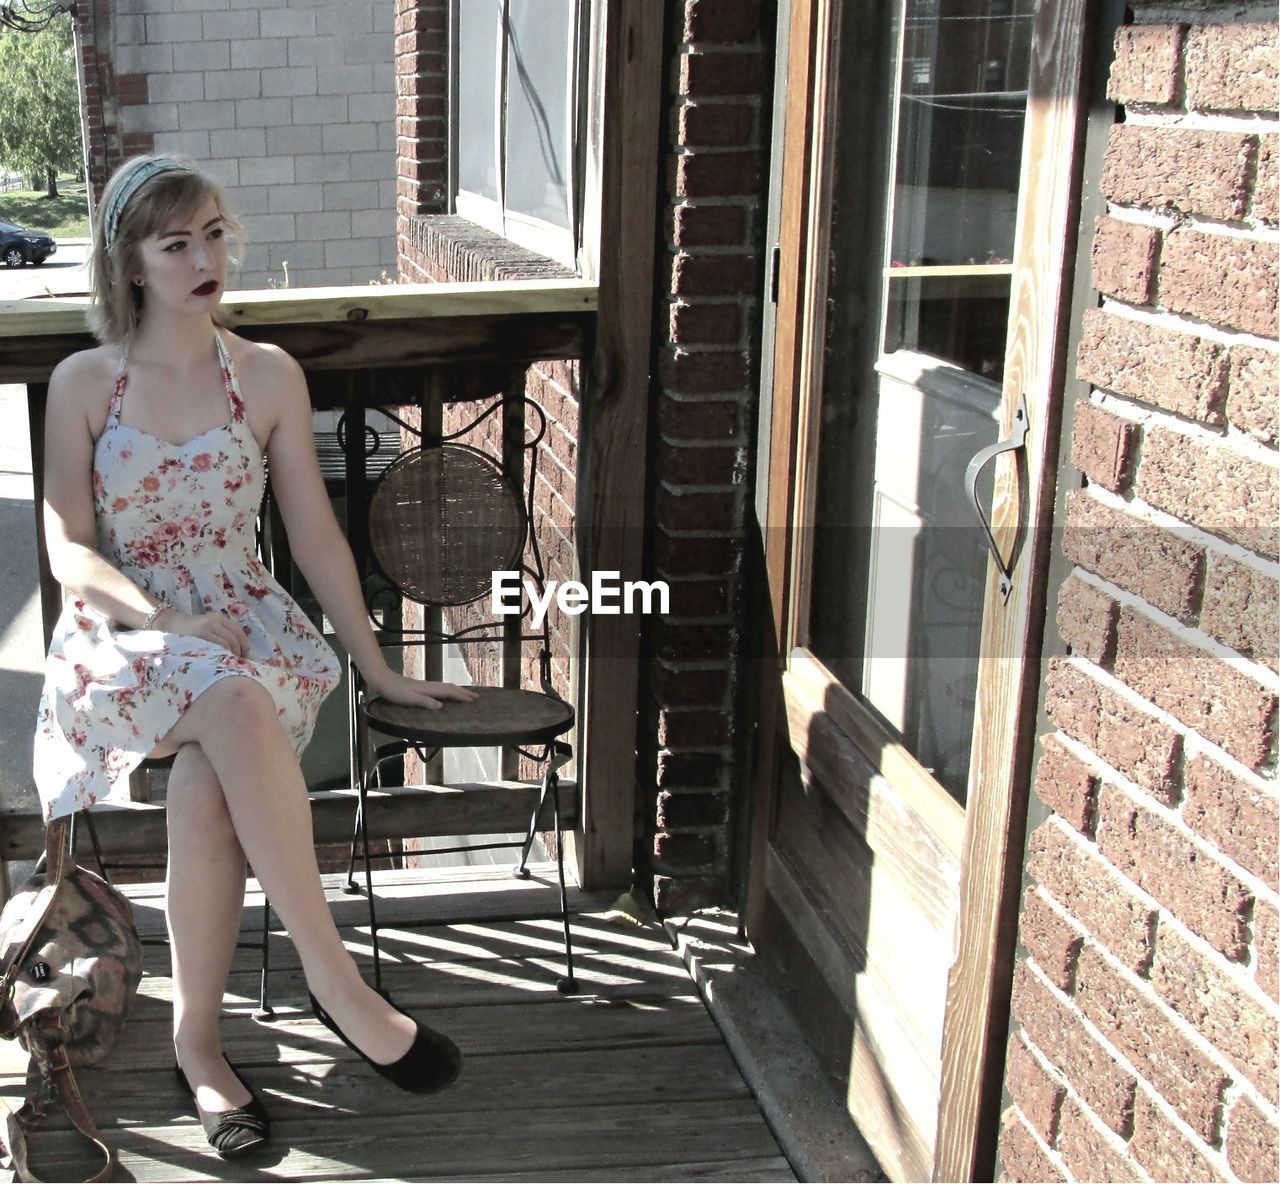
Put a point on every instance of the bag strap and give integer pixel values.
(57, 845)
(57, 857)
(59, 1071)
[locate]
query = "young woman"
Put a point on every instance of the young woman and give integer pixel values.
(174, 639)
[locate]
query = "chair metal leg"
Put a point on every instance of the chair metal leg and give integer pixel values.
(265, 1012)
(93, 839)
(351, 887)
(363, 820)
(520, 871)
(568, 984)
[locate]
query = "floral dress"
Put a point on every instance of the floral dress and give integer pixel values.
(179, 520)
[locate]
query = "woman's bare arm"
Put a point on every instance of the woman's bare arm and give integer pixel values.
(319, 546)
(69, 526)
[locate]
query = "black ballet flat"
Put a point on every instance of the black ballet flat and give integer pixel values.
(231, 1133)
(432, 1062)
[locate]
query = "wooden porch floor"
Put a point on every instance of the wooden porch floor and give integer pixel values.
(627, 1080)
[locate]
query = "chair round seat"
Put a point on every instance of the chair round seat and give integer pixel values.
(500, 715)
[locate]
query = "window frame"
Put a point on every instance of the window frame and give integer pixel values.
(565, 245)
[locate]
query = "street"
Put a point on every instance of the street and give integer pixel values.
(21, 641)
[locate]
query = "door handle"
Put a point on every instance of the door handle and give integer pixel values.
(1017, 440)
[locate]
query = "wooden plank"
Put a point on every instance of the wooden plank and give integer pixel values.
(615, 414)
(332, 306)
(867, 907)
(471, 1143)
(892, 1096)
(939, 812)
(472, 808)
(1008, 678)
(776, 1168)
(880, 814)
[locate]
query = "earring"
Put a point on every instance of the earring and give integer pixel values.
(139, 283)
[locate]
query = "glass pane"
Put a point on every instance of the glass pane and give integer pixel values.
(539, 166)
(961, 99)
(479, 44)
(931, 100)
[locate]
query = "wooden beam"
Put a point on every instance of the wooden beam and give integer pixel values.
(615, 420)
(497, 807)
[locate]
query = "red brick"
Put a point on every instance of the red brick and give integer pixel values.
(1180, 372)
(705, 372)
(1104, 446)
(1164, 1150)
(1128, 738)
(696, 511)
(721, 20)
(1251, 1143)
(700, 465)
(693, 688)
(1147, 64)
(684, 894)
(1266, 182)
(1049, 940)
(1192, 885)
(699, 598)
(1242, 609)
(695, 556)
(1238, 819)
(1230, 1015)
(131, 89)
(1145, 1033)
(684, 849)
(715, 125)
(1124, 260)
(1232, 67)
(1058, 1032)
(1100, 900)
(716, 73)
(1066, 784)
(1140, 557)
(714, 275)
(1175, 170)
(691, 809)
(703, 420)
(1088, 1150)
(1266, 956)
(1197, 687)
(1221, 278)
(1086, 620)
(692, 729)
(706, 324)
(695, 770)
(1252, 404)
(1022, 1157)
(709, 226)
(1211, 486)
(1037, 1095)
(678, 641)
(715, 174)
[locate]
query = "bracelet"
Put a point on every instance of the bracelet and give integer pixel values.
(154, 615)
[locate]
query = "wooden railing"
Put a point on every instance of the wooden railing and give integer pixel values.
(399, 345)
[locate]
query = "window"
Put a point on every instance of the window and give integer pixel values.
(516, 113)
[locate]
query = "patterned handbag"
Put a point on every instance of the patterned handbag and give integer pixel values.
(70, 964)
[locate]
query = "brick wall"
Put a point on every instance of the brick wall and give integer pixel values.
(1144, 1041)
(290, 103)
(707, 346)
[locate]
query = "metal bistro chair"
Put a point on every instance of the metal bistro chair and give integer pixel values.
(443, 517)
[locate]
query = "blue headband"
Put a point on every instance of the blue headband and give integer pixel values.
(141, 174)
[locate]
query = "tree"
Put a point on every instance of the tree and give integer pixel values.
(39, 106)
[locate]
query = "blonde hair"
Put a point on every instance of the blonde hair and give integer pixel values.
(116, 303)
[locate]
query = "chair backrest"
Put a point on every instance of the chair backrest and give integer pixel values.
(442, 519)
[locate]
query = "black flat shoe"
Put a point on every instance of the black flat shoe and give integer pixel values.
(231, 1132)
(432, 1062)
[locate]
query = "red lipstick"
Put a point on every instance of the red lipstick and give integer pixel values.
(205, 289)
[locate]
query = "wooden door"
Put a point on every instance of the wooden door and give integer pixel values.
(929, 201)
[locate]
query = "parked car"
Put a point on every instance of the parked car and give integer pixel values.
(18, 246)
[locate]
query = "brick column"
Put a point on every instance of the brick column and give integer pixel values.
(1145, 1009)
(707, 359)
